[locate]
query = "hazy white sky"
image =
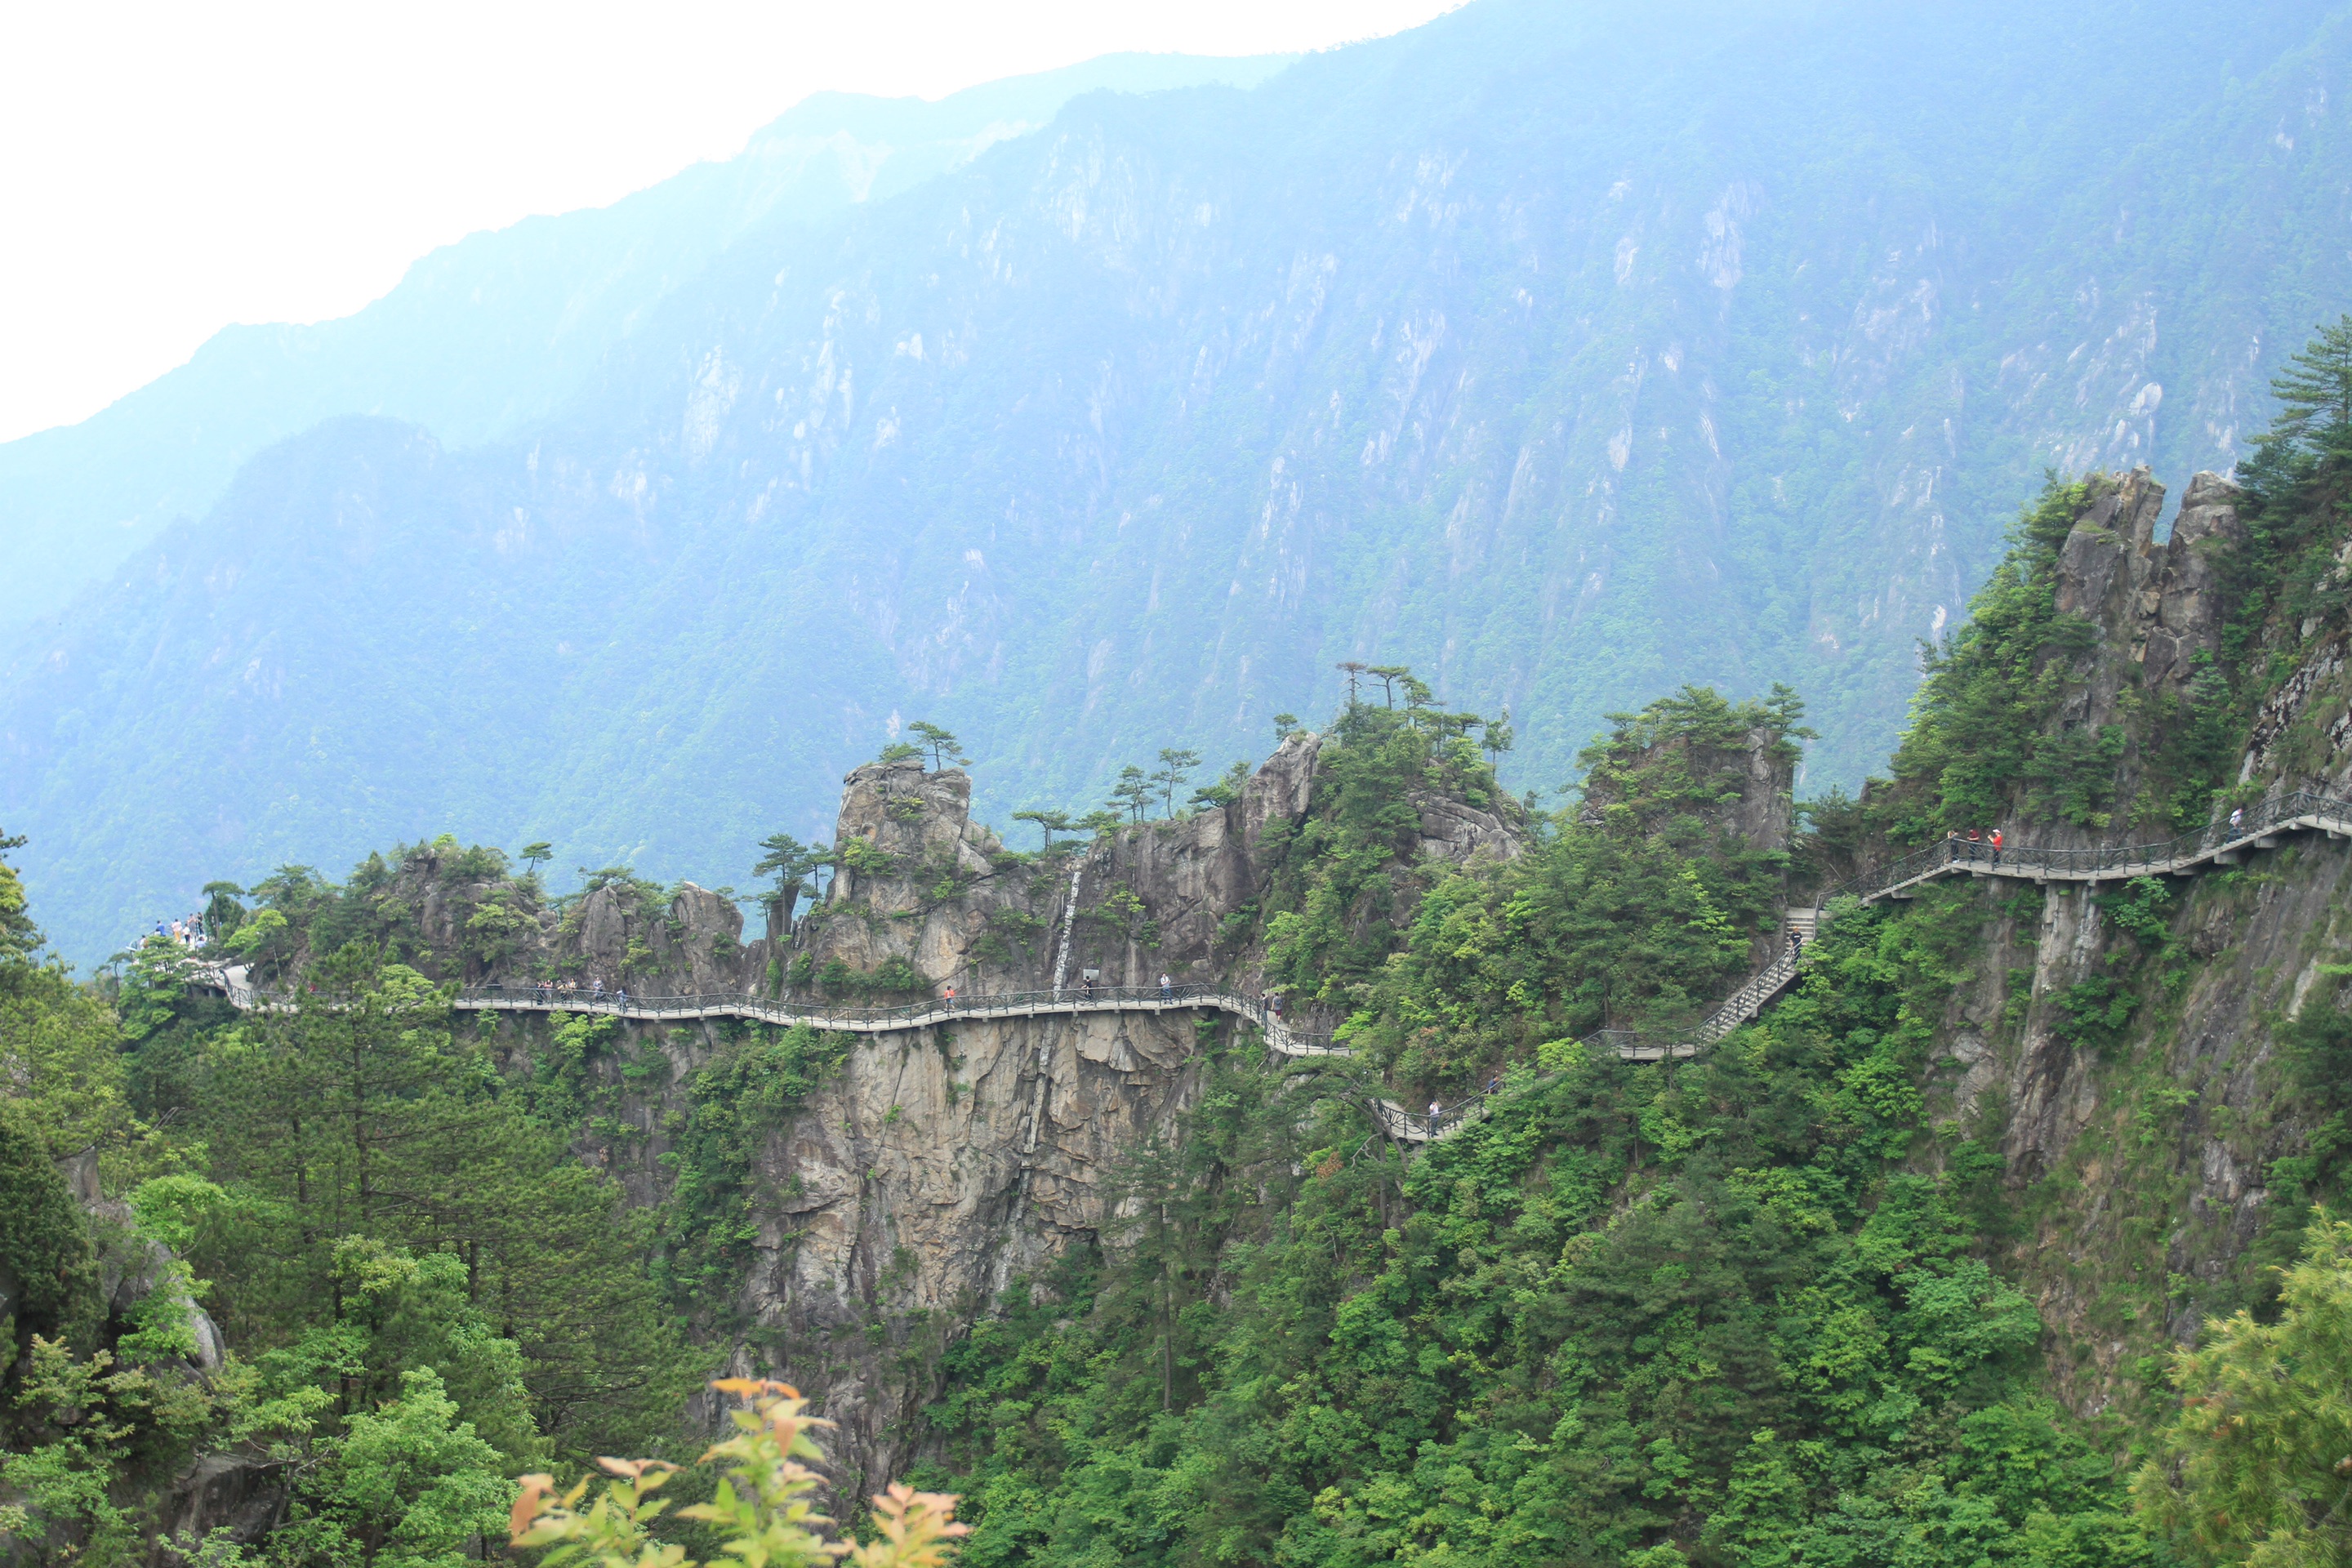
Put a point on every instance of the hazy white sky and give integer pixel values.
(171, 168)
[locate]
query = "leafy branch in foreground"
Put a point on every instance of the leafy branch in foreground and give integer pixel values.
(2257, 1466)
(763, 1505)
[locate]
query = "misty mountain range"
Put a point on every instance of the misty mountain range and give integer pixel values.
(1564, 352)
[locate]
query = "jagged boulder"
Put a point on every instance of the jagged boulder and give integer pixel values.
(2186, 616)
(243, 1497)
(2152, 605)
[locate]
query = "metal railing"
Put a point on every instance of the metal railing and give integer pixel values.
(2113, 862)
(2300, 810)
(857, 1015)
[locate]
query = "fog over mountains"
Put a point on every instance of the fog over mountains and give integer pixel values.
(1564, 352)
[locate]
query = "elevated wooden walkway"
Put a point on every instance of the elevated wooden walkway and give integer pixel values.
(2259, 827)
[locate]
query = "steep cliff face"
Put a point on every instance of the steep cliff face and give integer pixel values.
(930, 1167)
(2120, 1047)
(2154, 614)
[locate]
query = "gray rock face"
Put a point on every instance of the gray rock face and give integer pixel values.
(2152, 609)
(938, 1165)
(1759, 803)
(2155, 605)
(2188, 608)
(245, 1497)
(926, 1175)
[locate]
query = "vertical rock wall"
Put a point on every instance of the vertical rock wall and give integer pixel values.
(2137, 1160)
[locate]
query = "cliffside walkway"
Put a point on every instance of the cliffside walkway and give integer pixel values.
(2260, 827)
(2222, 844)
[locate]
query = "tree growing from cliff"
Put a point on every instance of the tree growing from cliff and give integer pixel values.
(788, 860)
(1496, 739)
(2315, 395)
(940, 744)
(1220, 793)
(535, 853)
(1175, 769)
(1131, 794)
(1049, 823)
(19, 937)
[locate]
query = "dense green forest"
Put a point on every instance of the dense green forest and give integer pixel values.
(1750, 1307)
(1733, 1310)
(1737, 1310)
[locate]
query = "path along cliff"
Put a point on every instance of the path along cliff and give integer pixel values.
(911, 1173)
(2135, 1111)
(924, 1167)
(2127, 974)
(2106, 1015)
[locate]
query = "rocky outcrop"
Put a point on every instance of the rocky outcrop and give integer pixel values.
(922, 883)
(693, 944)
(132, 1267)
(2153, 615)
(935, 1166)
(2140, 1148)
(240, 1497)
(1743, 786)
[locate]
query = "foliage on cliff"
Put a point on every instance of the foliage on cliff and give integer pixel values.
(2258, 1467)
(420, 1288)
(1633, 906)
(1704, 1311)
(1742, 1310)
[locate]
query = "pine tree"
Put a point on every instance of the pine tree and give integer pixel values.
(1175, 768)
(1132, 793)
(1049, 823)
(941, 744)
(2315, 391)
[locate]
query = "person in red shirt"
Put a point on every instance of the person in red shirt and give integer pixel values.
(1996, 845)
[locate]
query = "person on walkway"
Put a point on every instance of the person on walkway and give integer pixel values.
(1494, 1084)
(2237, 814)
(1976, 843)
(950, 998)
(1167, 989)
(620, 997)
(1796, 943)
(1434, 1112)
(1273, 1004)
(1996, 845)
(1088, 982)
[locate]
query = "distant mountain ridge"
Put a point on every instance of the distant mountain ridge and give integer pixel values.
(1563, 352)
(486, 336)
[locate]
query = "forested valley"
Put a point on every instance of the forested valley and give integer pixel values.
(340, 1278)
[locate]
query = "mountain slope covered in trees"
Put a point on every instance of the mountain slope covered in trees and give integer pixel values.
(1957, 1254)
(1566, 353)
